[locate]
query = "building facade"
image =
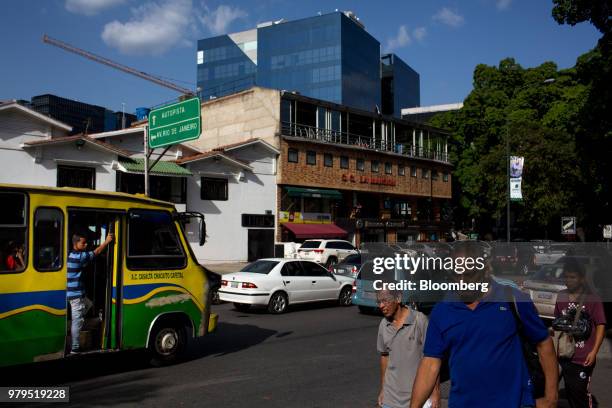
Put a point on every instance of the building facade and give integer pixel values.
(82, 117)
(329, 57)
(400, 85)
(343, 171)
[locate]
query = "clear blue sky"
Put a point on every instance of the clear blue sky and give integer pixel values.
(442, 39)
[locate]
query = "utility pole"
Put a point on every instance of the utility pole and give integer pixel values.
(507, 184)
(146, 160)
(122, 115)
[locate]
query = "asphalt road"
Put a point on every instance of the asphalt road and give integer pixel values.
(313, 356)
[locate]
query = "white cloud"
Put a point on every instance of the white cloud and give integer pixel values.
(503, 4)
(402, 39)
(90, 7)
(217, 21)
(419, 33)
(153, 28)
(449, 17)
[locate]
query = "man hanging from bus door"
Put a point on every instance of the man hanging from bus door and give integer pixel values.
(78, 259)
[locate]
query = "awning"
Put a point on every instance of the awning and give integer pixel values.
(305, 231)
(313, 192)
(161, 168)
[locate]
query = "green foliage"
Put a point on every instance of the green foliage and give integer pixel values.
(572, 12)
(541, 111)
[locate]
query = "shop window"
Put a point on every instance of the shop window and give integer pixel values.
(311, 157)
(445, 177)
(328, 160)
(344, 162)
(213, 189)
(13, 230)
(413, 171)
(292, 156)
(425, 173)
(173, 189)
(401, 170)
(162, 247)
(360, 165)
(72, 176)
(48, 232)
(388, 168)
(375, 166)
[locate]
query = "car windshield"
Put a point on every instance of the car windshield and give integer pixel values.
(353, 259)
(311, 244)
(549, 273)
(263, 267)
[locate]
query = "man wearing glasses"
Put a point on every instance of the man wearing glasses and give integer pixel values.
(401, 335)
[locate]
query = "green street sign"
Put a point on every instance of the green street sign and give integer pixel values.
(174, 123)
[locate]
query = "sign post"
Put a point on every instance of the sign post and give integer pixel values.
(168, 125)
(568, 225)
(174, 123)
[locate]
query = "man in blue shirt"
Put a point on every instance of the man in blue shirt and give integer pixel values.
(78, 258)
(478, 333)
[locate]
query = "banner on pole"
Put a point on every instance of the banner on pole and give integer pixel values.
(516, 166)
(515, 189)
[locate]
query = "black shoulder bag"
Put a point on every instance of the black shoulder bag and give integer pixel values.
(530, 351)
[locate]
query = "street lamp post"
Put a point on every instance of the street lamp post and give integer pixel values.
(546, 81)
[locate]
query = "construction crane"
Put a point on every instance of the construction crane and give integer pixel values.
(60, 44)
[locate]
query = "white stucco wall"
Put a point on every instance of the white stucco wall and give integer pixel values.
(227, 240)
(38, 166)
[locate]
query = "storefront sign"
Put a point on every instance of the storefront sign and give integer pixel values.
(304, 218)
(373, 224)
(395, 224)
(380, 180)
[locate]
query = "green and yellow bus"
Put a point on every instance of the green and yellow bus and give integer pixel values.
(146, 290)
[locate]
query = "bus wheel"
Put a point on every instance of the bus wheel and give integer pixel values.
(167, 345)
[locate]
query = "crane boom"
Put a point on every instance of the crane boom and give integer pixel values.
(60, 44)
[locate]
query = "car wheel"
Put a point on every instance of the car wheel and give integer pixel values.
(167, 345)
(278, 303)
(346, 296)
(332, 260)
(242, 307)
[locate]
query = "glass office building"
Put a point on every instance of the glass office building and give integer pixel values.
(330, 57)
(227, 63)
(400, 85)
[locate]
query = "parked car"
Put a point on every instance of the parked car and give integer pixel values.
(349, 267)
(513, 259)
(277, 283)
(548, 282)
(550, 254)
(326, 251)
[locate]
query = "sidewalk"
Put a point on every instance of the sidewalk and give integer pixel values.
(223, 268)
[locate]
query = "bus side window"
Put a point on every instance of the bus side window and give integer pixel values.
(153, 241)
(13, 232)
(48, 230)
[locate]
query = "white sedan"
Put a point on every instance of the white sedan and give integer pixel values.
(278, 282)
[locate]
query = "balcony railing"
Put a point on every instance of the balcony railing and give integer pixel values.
(366, 142)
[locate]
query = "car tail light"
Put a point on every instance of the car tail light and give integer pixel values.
(354, 286)
(223, 282)
(318, 251)
(354, 270)
(248, 285)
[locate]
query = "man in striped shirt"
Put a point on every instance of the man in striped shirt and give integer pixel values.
(78, 258)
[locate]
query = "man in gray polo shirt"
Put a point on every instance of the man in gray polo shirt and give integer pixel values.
(401, 335)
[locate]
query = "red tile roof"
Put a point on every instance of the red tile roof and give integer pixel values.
(67, 139)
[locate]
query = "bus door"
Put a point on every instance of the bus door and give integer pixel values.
(99, 276)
